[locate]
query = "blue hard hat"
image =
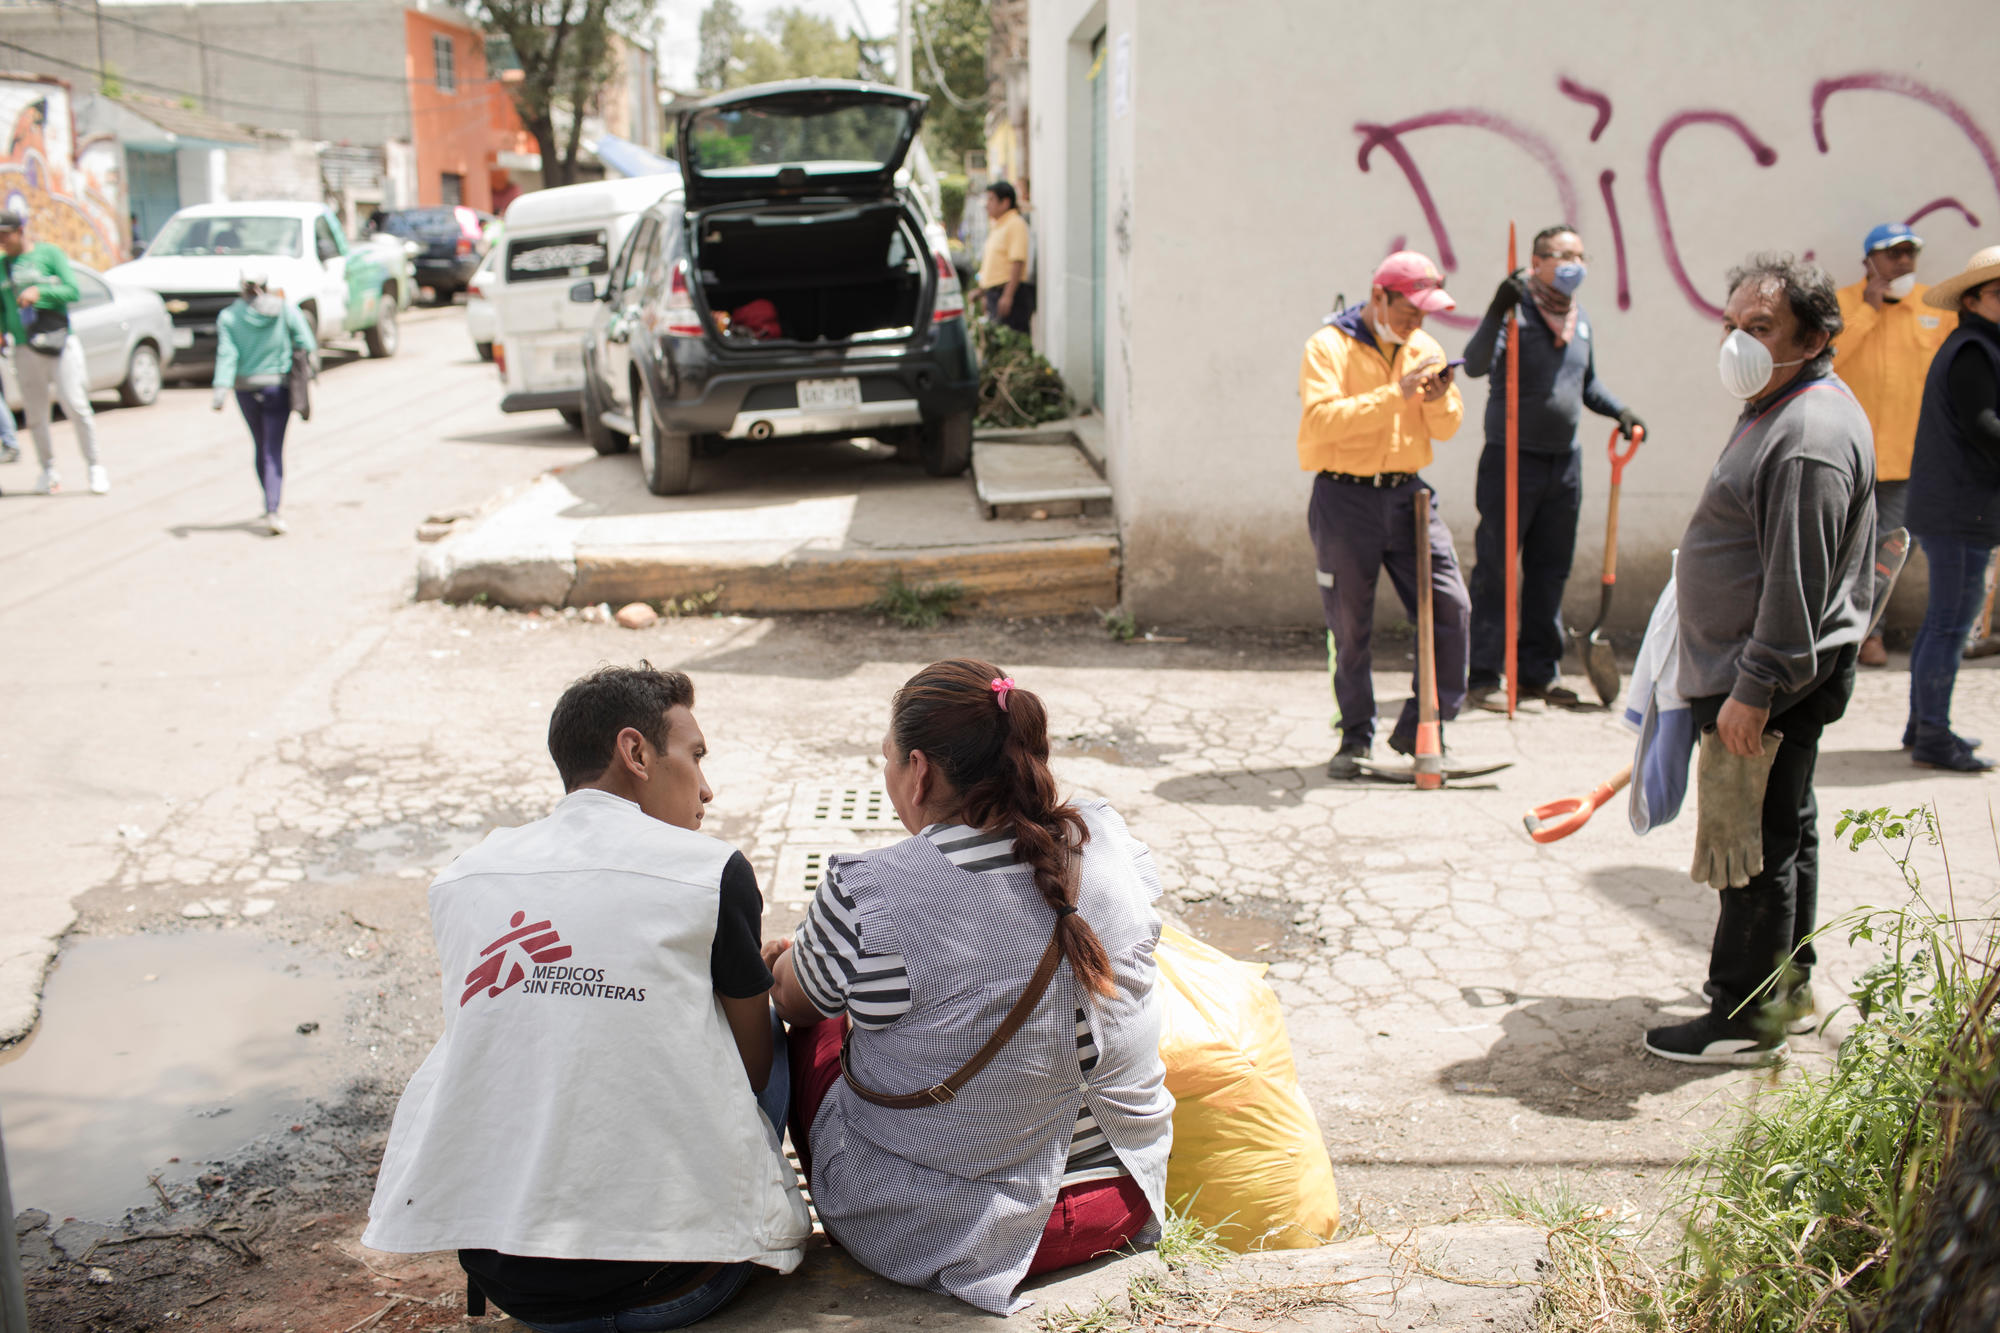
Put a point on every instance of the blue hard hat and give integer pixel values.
(1888, 234)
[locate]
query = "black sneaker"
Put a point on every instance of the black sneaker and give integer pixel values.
(1553, 694)
(1910, 739)
(1346, 762)
(1949, 753)
(1710, 1040)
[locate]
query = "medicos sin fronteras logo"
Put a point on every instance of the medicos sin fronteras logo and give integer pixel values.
(531, 955)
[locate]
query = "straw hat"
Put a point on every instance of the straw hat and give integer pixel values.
(1983, 267)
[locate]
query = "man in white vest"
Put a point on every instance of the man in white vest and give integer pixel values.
(587, 1132)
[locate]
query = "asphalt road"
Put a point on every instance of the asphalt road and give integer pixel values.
(156, 639)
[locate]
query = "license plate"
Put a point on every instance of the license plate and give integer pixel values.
(818, 395)
(183, 339)
(566, 362)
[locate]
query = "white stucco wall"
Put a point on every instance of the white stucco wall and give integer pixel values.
(1239, 209)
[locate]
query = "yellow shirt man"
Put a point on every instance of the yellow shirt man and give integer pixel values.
(1006, 246)
(1884, 356)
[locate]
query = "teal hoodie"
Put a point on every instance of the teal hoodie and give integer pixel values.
(250, 344)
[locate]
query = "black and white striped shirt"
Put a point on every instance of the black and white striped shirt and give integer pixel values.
(846, 959)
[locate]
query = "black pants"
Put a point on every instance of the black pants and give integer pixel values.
(1767, 920)
(1550, 497)
(1022, 311)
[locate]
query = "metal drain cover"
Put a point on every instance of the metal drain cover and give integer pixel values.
(801, 867)
(818, 806)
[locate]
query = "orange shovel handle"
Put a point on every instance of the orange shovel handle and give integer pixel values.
(1559, 819)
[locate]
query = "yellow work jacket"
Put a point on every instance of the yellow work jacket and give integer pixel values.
(1354, 418)
(1884, 355)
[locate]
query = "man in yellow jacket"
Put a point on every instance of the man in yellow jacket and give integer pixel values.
(1884, 355)
(1375, 390)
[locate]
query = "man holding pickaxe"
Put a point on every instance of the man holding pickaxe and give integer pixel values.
(1558, 379)
(1375, 391)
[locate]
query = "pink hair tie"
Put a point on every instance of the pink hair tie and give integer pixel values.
(1001, 685)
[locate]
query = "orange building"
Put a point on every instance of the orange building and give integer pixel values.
(463, 125)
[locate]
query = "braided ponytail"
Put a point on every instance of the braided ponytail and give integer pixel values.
(992, 745)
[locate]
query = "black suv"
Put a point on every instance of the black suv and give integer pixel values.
(792, 289)
(449, 251)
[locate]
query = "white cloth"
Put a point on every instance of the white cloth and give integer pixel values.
(587, 1100)
(1655, 709)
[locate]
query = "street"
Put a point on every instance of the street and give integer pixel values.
(237, 760)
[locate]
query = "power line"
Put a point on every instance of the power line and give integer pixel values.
(276, 61)
(45, 58)
(937, 75)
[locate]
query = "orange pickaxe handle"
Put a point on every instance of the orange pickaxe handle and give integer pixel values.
(1559, 819)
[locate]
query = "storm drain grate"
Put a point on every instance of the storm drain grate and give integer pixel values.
(865, 808)
(800, 871)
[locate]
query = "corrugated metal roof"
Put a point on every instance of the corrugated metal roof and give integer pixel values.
(188, 123)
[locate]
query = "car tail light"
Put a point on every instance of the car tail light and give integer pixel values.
(500, 358)
(950, 296)
(681, 319)
(475, 290)
(465, 245)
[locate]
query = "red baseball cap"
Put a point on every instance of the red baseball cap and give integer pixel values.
(1417, 278)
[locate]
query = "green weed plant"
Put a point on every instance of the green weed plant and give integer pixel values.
(917, 605)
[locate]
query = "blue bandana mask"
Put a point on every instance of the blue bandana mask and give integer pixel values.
(1569, 277)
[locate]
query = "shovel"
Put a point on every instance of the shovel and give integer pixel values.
(1600, 662)
(1559, 819)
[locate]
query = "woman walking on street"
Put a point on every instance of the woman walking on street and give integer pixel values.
(257, 337)
(977, 1092)
(1954, 505)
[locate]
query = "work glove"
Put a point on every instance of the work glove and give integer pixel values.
(1729, 823)
(1513, 289)
(1628, 421)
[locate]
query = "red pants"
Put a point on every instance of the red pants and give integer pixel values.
(1088, 1219)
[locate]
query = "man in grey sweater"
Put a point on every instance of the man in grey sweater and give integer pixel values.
(1776, 577)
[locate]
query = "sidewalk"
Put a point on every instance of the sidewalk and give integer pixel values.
(798, 527)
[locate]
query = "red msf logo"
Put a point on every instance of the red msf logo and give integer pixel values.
(540, 942)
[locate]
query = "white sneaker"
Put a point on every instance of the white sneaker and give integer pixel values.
(276, 526)
(49, 482)
(100, 480)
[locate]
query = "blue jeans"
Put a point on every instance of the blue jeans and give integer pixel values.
(9, 439)
(1957, 596)
(268, 411)
(775, 1102)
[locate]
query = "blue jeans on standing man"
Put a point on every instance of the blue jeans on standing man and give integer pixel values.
(1957, 596)
(775, 1102)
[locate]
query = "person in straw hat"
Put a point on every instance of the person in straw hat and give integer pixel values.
(1954, 504)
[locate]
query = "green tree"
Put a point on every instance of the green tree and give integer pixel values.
(950, 57)
(794, 44)
(567, 51)
(722, 30)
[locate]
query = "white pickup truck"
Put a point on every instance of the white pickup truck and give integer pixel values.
(197, 263)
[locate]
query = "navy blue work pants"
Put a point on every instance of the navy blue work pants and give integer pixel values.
(1357, 533)
(1550, 496)
(1957, 596)
(268, 411)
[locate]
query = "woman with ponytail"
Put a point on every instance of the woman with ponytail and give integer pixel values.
(979, 1093)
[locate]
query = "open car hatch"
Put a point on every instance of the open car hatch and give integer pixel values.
(797, 139)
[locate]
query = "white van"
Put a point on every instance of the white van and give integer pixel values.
(552, 239)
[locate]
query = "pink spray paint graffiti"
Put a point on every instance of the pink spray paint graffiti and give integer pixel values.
(1390, 139)
(1764, 154)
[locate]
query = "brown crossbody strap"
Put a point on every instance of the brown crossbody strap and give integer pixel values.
(939, 1094)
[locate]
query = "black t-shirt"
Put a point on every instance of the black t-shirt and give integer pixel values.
(554, 1291)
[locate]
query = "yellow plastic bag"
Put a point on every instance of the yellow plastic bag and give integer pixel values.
(1248, 1159)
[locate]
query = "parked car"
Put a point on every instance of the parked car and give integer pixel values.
(449, 241)
(480, 321)
(801, 287)
(126, 336)
(553, 238)
(196, 264)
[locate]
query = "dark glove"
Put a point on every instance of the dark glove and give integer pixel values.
(1628, 421)
(1513, 289)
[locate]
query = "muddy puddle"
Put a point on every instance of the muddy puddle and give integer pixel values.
(1248, 935)
(155, 1047)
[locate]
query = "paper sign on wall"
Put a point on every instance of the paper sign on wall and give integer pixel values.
(1121, 74)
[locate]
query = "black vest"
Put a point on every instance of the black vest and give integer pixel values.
(1955, 481)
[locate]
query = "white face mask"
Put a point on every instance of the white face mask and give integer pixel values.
(1899, 288)
(268, 304)
(1746, 366)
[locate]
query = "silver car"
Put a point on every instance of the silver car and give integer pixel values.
(126, 335)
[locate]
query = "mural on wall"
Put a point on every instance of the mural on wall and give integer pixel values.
(67, 204)
(1389, 139)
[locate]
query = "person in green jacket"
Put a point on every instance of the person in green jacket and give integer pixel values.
(256, 337)
(35, 297)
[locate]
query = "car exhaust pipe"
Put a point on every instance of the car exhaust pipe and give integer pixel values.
(760, 430)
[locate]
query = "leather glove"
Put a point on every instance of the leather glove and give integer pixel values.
(1729, 823)
(1513, 289)
(1628, 420)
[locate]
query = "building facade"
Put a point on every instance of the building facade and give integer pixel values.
(1207, 180)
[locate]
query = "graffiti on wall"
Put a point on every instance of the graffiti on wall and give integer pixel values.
(66, 204)
(1389, 139)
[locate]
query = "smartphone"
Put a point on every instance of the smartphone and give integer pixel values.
(1454, 364)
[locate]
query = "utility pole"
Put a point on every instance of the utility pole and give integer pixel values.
(13, 1299)
(905, 71)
